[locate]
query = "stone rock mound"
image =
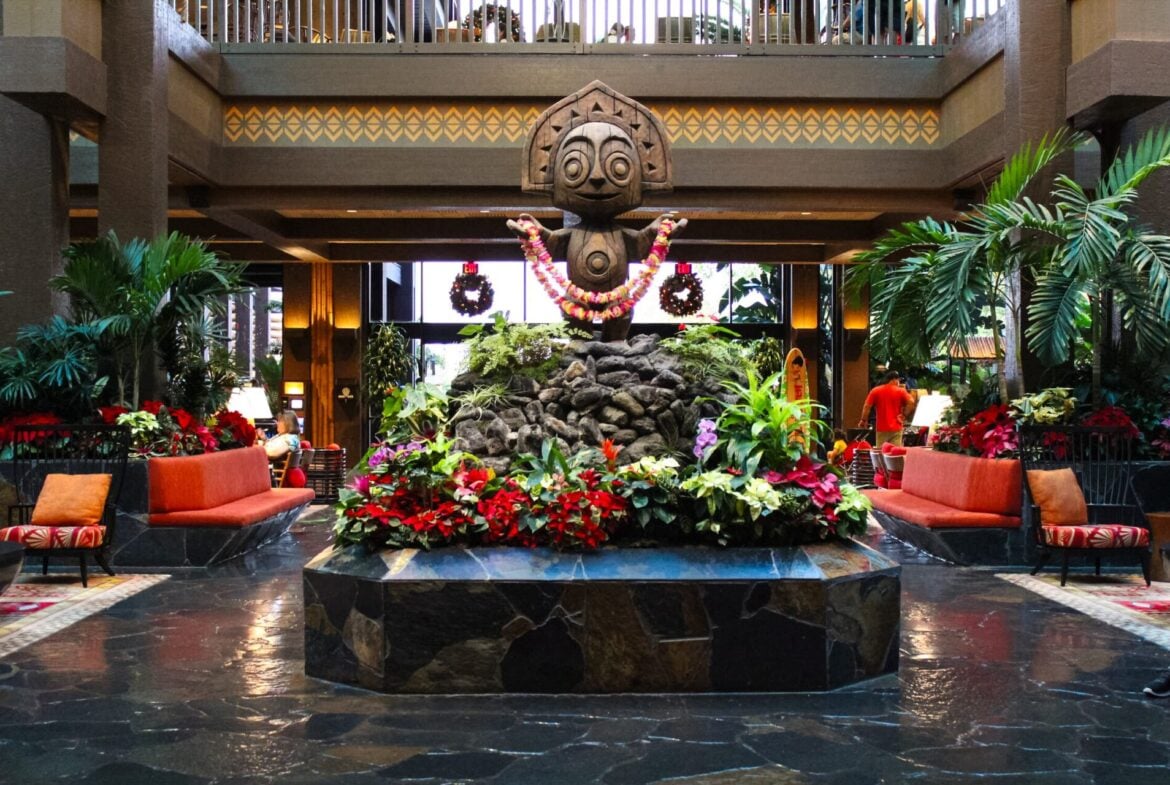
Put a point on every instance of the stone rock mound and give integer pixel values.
(632, 392)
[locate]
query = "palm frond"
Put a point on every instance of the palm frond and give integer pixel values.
(961, 281)
(1149, 255)
(1093, 238)
(1131, 168)
(910, 239)
(897, 302)
(1030, 161)
(1139, 311)
(1052, 315)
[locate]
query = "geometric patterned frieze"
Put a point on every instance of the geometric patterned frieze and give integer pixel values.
(755, 125)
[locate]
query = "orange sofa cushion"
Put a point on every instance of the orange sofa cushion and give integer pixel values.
(71, 500)
(201, 482)
(977, 485)
(240, 512)
(933, 515)
(1058, 495)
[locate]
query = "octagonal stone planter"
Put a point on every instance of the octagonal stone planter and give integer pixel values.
(692, 619)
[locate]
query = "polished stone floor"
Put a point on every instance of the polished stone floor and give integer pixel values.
(199, 680)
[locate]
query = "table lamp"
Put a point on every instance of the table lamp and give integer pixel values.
(251, 402)
(929, 411)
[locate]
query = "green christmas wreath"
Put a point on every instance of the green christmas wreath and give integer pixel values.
(506, 30)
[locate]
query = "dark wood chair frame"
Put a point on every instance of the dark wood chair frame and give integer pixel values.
(1102, 460)
(39, 450)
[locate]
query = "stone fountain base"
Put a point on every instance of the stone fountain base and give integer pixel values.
(697, 619)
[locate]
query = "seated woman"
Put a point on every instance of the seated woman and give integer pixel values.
(287, 438)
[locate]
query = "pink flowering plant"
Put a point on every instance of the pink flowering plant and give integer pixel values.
(991, 433)
(757, 480)
(1160, 439)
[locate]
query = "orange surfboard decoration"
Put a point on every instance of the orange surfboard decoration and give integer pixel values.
(796, 386)
(795, 376)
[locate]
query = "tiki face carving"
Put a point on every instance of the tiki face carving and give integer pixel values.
(597, 171)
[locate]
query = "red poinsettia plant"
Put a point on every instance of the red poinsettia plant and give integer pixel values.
(991, 433)
(423, 493)
(158, 430)
(1112, 417)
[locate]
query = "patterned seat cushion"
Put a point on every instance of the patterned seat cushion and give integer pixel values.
(1113, 535)
(49, 537)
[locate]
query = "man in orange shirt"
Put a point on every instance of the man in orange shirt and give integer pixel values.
(893, 404)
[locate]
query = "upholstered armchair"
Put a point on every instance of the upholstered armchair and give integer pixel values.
(1078, 483)
(69, 478)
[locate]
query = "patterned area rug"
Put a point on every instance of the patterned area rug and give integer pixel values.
(37, 606)
(1120, 600)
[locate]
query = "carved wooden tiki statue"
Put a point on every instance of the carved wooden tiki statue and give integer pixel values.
(596, 151)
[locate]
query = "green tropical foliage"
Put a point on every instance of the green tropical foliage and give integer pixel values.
(930, 280)
(767, 354)
(1051, 406)
(270, 369)
(387, 362)
(707, 350)
(201, 370)
(503, 349)
(762, 428)
(53, 367)
(413, 412)
(1096, 253)
(146, 296)
(755, 293)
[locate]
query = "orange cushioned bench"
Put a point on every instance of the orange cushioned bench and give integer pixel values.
(232, 488)
(946, 490)
(962, 509)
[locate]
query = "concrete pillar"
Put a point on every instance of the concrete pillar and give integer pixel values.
(34, 203)
(132, 156)
(1037, 52)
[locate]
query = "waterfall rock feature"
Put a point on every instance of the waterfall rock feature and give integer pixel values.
(634, 393)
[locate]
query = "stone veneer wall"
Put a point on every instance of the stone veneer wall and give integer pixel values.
(634, 393)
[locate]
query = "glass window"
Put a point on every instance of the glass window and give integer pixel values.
(442, 362)
(754, 293)
(435, 290)
(538, 306)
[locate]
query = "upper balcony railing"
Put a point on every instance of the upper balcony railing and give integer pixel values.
(596, 26)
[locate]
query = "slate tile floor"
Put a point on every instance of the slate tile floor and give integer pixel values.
(199, 680)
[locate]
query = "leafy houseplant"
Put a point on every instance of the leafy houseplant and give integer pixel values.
(768, 356)
(991, 433)
(53, 367)
(161, 430)
(414, 412)
(1051, 406)
(503, 349)
(387, 363)
(943, 275)
(707, 350)
(767, 488)
(145, 295)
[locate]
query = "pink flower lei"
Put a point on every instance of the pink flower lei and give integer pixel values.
(583, 305)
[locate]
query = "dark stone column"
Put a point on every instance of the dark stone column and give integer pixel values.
(132, 158)
(1037, 50)
(34, 203)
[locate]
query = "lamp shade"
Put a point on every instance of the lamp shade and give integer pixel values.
(930, 409)
(251, 402)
